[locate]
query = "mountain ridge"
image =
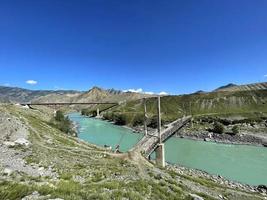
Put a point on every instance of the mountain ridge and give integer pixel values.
(21, 95)
(244, 87)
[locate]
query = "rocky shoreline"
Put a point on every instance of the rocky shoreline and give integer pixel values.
(238, 139)
(217, 179)
(218, 138)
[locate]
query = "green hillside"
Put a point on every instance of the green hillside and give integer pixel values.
(224, 104)
(56, 165)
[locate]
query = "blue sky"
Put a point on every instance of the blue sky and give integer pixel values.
(176, 46)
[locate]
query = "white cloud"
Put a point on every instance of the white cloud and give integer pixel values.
(265, 76)
(58, 88)
(149, 93)
(31, 82)
(7, 84)
(139, 90)
(163, 93)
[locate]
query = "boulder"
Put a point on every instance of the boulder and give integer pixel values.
(196, 197)
(9, 144)
(34, 196)
(262, 188)
(264, 143)
(7, 171)
(56, 199)
(41, 169)
(22, 141)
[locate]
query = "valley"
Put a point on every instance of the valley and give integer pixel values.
(42, 159)
(54, 165)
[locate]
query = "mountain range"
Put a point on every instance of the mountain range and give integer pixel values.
(19, 95)
(247, 87)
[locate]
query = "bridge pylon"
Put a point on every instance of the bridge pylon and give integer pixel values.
(160, 151)
(145, 117)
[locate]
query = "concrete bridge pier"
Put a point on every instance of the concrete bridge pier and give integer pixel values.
(160, 155)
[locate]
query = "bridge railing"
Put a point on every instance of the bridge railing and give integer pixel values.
(168, 132)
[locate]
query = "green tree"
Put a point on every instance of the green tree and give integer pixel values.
(235, 130)
(84, 112)
(63, 123)
(138, 120)
(120, 119)
(153, 122)
(218, 128)
(59, 116)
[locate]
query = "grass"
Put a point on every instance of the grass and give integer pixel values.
(225, 104)
(103, 177)
(69, 190)
(13, 191)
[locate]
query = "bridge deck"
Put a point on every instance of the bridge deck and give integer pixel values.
(149, 143)
(67, 103)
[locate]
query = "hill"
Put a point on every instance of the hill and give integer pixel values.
(247, 87)
(18, 95)
(111, 95)
(220, 103)
(52, 165)
(15, 94)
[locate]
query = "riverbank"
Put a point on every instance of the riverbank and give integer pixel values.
(218, 179)
(238, 139)
(215, 154)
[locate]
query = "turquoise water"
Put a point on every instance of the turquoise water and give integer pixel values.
(243, 163)
(102, 133)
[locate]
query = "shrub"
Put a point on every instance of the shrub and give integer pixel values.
(88, 112)
(138, 120)
(153, 122)
(225, 122)
(120, 119)
(235, 130)
(59, 116)
(108, 116)
(63, 123)
(84, 112)
(218, 128)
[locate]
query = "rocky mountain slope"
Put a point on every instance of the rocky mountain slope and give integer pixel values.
(248, 87)
(49, 164)
(98, 94)
(15, 94)
(10, 94)
(227, 104)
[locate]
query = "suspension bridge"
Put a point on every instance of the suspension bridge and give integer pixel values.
(56, 105)
(150, 142)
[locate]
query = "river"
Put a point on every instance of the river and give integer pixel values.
(243, 163)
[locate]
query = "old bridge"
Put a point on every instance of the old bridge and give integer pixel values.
(150, 142)
(55, 105)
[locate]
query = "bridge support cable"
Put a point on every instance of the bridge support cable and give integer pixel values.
(145, 117)
(159, 120)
